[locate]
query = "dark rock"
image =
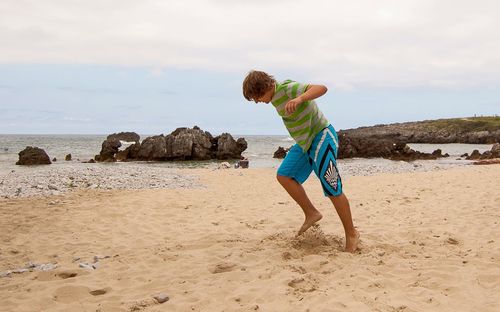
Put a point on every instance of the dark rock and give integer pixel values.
(153, 148)
(465, 155)
(33, 156)
(189, 144)
(54, 159)
(228, 148)
(437, 153)
(108, 150)
(486, 155)
(369, 147)
(243, 163)
(68, 157)
(124, 136)
(133, 150)
(474, 155)
(364, 147)
(281, 152)
(122, 155)
(495, 150)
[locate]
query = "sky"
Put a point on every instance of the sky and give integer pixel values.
(102, 66)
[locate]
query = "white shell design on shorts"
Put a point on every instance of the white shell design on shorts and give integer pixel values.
(331, 175)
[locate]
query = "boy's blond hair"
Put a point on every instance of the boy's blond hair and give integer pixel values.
(256, 84)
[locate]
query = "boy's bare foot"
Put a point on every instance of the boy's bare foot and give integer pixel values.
(351, 242)
(310, 220)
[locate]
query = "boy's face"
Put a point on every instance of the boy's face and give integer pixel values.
(267, 97)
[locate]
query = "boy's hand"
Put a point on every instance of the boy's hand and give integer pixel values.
(292, 105)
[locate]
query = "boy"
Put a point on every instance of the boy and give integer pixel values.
(315, 149)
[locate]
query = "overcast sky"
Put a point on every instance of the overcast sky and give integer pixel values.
(101, 66)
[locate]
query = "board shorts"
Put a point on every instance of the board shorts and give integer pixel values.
(321, 157)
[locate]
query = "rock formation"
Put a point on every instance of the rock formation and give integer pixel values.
(124, 136)
(33, 156)
(181, 144)
(473, 130)
(371, 147)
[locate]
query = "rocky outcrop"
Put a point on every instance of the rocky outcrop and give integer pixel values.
(190, 144)
(491, 154)
(228, 148)
(124, 136)
(33, 156)
(480, 130)
(181, 144)
(108, 150)
(153, 148)
(373, 147)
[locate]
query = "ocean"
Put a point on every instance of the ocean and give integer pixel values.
(260, 149)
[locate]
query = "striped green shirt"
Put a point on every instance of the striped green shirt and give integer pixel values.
(306, 121)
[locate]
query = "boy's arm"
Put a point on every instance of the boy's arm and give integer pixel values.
(312, 92)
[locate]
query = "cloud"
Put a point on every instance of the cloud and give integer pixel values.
(448, 44)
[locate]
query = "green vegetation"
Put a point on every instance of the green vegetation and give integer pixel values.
(466, 124)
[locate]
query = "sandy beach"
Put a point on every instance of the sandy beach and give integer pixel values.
(429, 242)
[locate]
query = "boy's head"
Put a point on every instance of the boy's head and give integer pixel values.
(258, 86)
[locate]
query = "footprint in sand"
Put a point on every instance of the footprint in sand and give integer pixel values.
(301, 285)
(223, 267)
(100, 292)
(67, 294)
(52, 275)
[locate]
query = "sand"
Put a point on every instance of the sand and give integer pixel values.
(430, 241)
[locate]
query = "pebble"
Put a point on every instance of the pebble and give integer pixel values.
(161, 298)
(224, 165)
(86, 266)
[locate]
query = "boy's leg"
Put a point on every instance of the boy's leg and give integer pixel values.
(323, 154)
(298, 193)
(293, 171)
(341, 204)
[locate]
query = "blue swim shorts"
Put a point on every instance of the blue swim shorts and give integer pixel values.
(321, 157)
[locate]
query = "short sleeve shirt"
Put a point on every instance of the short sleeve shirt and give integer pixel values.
(306, 121)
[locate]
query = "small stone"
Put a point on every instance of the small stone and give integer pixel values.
(5, 273)
(243, 163)
(52, 187)
(87, 266)
(46, 267)
(31, 265)
(161, 297)
(224, 165)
